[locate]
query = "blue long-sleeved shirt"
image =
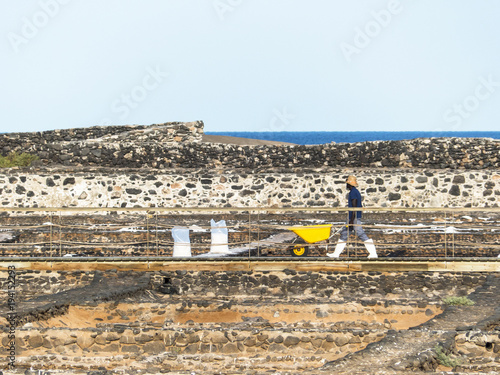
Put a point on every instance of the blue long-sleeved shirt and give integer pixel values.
(354, 194)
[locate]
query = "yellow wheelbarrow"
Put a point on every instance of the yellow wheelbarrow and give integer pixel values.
(311, 234)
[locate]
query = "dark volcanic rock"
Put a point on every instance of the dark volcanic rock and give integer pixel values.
(179, 145)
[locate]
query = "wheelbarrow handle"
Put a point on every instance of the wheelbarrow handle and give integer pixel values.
(334, 233)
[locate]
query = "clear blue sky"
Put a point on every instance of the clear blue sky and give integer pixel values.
(251, 65)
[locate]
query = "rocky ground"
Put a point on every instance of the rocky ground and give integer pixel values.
(471, 334)
(255, 323)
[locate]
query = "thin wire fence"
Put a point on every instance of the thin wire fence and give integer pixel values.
(409, 232)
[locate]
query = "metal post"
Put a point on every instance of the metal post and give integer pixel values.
(453, 242)
(50, 235)
(60, 235)
(157, 245)
(147, 233)
(348, 234)
(356, 239)
(249, 232)
(258, 233)
(453, 239)
(445, 237)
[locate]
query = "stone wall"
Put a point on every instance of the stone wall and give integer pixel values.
(70, 146)
(236, 188)
(208, 321)
(168, 165)
(30, 284)
(178, 145)
(483, 347)
(370, 287)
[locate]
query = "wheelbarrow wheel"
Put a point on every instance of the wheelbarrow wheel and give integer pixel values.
(299, 250)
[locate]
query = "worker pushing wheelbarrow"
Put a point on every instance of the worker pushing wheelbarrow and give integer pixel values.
(321, 235)
(318, 233)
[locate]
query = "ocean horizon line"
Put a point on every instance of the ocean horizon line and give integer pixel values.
(351, 136)
(357, 131)
(324, 137)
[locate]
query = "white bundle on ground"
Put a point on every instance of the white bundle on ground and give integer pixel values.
(182, 244)
(219, 237)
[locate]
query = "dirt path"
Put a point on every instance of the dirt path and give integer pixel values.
(239, 141)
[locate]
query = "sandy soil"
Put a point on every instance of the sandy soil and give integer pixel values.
(239, 141)
(85, 316)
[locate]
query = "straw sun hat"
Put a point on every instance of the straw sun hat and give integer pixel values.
(351, 180)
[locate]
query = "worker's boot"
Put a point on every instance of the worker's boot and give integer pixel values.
(338, 249)
(370, 246)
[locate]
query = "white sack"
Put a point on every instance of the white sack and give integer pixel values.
(182, 244)
(219, 237)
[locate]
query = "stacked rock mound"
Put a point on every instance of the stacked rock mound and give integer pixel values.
(170, 164)
(179, 145)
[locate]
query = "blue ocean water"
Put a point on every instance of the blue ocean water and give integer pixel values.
(313, 138)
